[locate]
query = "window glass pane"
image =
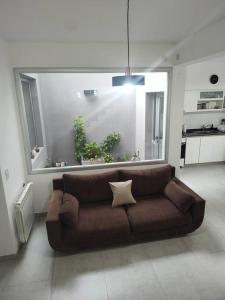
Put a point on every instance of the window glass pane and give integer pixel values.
(29, 113)
(81, 119)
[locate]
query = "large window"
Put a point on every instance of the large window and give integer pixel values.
(73, 120)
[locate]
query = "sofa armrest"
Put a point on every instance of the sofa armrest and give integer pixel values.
(53, 224)
(54, 206)
(198, 207)
(69, 211)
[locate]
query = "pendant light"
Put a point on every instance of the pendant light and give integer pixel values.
(128, 78)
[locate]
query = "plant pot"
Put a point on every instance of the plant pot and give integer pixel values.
(97, 161)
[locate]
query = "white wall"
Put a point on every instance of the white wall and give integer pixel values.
(8, 243)
(197, 78)
(176, 115)
(69, 55)
(197, 75)
(196, 120)
(11, 153)
(204, 43)
(98, 55)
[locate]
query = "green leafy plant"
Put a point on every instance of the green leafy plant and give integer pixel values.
(92, 151)
(80, 138)
(108, 158)
(110, 142)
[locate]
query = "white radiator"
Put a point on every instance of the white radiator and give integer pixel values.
(25, 212)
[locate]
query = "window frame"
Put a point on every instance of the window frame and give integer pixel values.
(25, 132)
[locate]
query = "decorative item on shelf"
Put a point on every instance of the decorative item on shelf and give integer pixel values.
(60, 164)
(36, 149)
(136, 156)
(214, 79)
(128, 78)
(32, 155)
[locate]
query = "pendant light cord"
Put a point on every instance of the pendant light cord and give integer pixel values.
(128, 37)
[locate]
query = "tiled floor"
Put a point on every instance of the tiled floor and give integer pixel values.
(191, 267)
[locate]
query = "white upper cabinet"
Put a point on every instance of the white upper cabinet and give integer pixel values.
(190, 101)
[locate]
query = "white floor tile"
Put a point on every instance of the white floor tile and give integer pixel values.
(84, 286)
(31, 291)
(188, 268)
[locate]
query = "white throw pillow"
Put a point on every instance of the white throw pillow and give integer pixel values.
(122, 193)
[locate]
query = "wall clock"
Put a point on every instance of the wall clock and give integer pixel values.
(214, 78)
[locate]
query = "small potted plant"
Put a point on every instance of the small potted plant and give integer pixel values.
(87, 153)
(136, 156)
(92, 154)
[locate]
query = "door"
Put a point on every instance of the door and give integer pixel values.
(154, 125)
(192, 150)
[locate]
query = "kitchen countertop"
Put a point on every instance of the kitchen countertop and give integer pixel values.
(202, 132)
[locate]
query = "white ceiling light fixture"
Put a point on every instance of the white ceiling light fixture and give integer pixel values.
(128, 78)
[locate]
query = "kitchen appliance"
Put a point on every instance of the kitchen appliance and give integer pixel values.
(182, 152)
(154, 125)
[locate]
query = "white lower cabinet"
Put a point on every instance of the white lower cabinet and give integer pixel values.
(205, 149)
(192, 150)
(212, 149)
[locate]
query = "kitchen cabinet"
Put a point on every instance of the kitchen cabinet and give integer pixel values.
(212, 149)
(205, 149)
(192, 150)
(190, 101)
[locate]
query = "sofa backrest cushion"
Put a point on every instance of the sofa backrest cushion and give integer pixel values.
(148, 181)
(69, 210)
(180, 198)
(90, 188)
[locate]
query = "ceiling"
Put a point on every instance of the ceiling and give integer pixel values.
(104, 20)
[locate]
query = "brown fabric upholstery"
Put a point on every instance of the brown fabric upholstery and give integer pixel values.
(54, 205)
(155, 213)
(53, 224)
(99, 224)
(57, 184)
(153, 217)
(180, 198)
(90, 188)
(147, 181)
(69, 210)
(198, 207)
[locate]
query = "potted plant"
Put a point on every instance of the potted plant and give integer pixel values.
(87, 153)
(92, 154)
(80, 138)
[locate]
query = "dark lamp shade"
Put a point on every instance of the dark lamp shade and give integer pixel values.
(128, 79)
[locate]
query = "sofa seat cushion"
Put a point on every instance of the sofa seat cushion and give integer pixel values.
(155, 213)
(101, 224)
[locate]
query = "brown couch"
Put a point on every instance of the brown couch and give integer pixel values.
(80, 213)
